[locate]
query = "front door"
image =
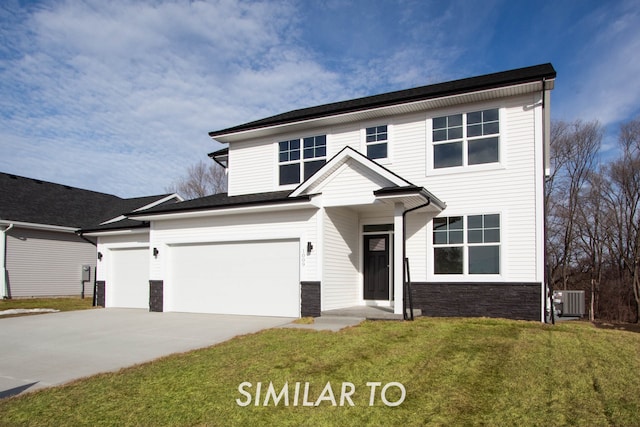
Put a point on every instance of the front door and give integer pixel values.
(376, 267)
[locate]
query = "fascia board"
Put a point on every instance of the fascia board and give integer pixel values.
(221, 211)
(129, 231)
(378, 112)
(160, 201)
(36, 226)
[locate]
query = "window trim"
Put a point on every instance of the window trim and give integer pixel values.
(300, 161)
(466, 276)
(465, 167)
(364, 145)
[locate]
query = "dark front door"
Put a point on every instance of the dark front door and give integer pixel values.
(376, 267)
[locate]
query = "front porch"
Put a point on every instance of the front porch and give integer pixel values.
(368, 312)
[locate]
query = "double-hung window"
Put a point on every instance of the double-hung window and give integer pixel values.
(466, 244)
(301, 157)
(377, 138)
(466, 139)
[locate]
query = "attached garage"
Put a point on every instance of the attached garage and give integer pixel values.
(128, 281)
(250, 277)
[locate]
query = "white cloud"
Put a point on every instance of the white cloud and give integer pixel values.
(119, 96)
(602, 83)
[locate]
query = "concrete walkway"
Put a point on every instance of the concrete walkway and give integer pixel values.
(51, 349)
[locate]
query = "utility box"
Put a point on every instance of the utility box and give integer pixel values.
(86, 273)
(569, 303)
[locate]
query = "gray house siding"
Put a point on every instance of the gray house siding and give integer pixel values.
(43, 263)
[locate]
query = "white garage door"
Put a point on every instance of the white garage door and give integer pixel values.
(254, 278)
(128, 284)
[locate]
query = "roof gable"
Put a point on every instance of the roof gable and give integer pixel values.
(357, 164)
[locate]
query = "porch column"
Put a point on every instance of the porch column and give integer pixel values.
(398, 264)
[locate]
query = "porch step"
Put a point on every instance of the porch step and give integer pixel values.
(369, 312)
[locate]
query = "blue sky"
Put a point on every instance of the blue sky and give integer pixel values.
(118, 96)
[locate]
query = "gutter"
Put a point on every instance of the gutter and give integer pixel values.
(3, 263)
(405, 269)
(95, 270)
(546, 155)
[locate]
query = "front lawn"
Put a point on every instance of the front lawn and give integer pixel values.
(61, 304)
(454, 371)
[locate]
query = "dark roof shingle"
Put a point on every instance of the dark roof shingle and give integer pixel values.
(223, 200)
(41, 202)
(488, 81)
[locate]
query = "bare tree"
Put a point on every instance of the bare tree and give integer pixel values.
(592, 231)
(574, 150)
(202, 179)
(624, 205)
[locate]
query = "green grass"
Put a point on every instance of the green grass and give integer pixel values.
(455, 372)
(62, 304)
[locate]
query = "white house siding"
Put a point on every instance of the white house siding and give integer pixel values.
(509, 190)
(417, 244)
(45, 263)
(297, 224)
(342, 136)
(341, 281)
(253, 167)
(352, 184)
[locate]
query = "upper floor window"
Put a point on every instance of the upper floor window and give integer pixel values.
(471, 248)
(301, 157)
(466, 139)
(377, 138)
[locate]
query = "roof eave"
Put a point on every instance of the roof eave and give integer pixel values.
(242, 207)
(348, 112)
(400, 193)
(38, 226)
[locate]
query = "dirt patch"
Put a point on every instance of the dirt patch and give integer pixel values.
(630, 327)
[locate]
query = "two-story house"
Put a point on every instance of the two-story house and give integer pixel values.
(325, 203)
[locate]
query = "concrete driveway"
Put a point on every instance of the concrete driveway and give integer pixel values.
(51, 349)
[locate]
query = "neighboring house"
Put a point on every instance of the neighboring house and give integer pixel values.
(325, 203)
(41, 252)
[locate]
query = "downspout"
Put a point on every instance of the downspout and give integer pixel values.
(95, 270)
(404, 260)
(548, 294)
(5, 285)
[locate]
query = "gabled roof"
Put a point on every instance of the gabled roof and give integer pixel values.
(489, 81)
(32, 201)
(398, 188)
(344, 155)
(221, 201)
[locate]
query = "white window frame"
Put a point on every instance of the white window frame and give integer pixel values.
(466, 276)
(301, 161)
(364, 144)
(465, 167)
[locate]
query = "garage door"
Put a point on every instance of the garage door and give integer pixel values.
(128, 284)
(254, 278)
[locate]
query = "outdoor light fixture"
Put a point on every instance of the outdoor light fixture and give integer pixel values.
(309, 247)
(99, 256)
(155, 252)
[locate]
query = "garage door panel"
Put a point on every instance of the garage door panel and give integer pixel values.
(128, 284)
(260, 278)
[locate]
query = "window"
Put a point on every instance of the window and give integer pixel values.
(293, 165)
(466, 139)
(377, 138)
(476, 251)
